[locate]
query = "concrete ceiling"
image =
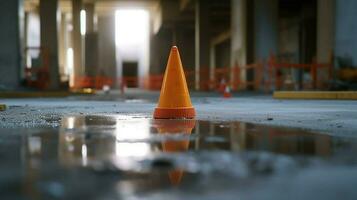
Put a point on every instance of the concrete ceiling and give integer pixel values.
(102, 6)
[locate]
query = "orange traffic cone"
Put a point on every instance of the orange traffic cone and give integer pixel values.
(174, 99)
(222, 86)
(172, 127)
(227, 92)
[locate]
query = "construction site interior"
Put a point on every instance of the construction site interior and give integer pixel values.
(178, 99)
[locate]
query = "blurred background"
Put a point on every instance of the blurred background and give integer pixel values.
(262, 45)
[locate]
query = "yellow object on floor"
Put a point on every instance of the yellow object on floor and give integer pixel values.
(2, 107)
(343, 95)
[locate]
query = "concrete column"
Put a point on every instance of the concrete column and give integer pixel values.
(89, 8)
(62, 47)
(77, 39)
(49, 38)
(10, 49)
(91, 42)
(202, 41)
(239, 36)
(325, 29)
(346, 31)
(106, 46)
(265, 29)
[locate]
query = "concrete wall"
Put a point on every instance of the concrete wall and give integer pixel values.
(346, 30)
(185, 40)
(160, 45)
(289, 40)
(10, 51)
(223, 54)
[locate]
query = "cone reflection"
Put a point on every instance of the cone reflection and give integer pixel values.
(175, 146)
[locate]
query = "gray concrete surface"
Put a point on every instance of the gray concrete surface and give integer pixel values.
(337, 118)
(107, 147)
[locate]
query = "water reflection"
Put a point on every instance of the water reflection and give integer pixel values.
(167, 127)
(85, 141)
(87, 138)
(121, 139)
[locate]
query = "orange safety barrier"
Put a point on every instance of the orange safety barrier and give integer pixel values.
(92, 82)
(265, 76)
(38, 76)
(239, 84)
(153, 82)
(276, 74)
(226, 75)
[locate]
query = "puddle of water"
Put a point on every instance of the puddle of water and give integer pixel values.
(126, 157)
(123, 136)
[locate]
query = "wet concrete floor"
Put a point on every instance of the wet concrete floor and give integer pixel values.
(121, 157)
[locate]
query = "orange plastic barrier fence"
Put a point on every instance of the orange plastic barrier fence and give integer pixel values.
(92, 82)
(276, 74)
(38, 76)
(265, 76)
(228, 75)
(152, 82)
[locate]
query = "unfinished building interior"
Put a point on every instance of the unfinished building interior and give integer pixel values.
(178, 99)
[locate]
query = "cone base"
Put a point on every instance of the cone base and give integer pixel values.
(174, 113)
(174, 125)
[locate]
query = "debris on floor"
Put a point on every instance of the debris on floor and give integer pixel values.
(2, 107)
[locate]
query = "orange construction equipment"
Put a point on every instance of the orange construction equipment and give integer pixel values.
(227, 92)
(175, 101)
(175, 127)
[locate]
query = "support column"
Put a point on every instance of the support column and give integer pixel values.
(62, 47)
(239, 36)
(202, 43)
(91, 42)
(265, 29)
(49, 39)
(346, 31)
(106, 46)
(325, 29)
(10, 49)
(325, 38)
(77, 39)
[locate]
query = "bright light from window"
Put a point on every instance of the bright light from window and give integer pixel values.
(84, 155)
(83, 22)
(125, 132)
(69, 60)
(70, 64)
(131, 27)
